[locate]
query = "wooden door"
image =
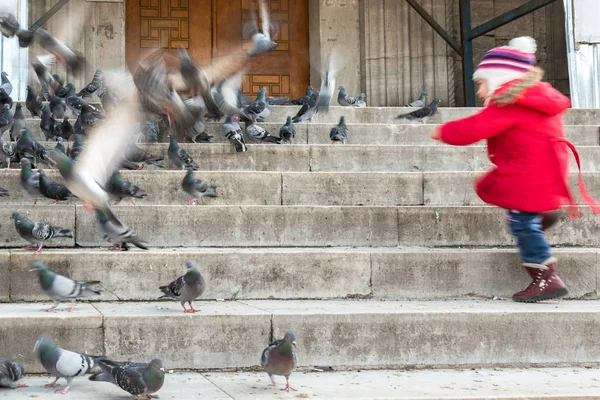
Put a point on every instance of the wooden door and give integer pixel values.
(213, 28)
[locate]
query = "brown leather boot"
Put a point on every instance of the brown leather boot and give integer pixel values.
(546, 283)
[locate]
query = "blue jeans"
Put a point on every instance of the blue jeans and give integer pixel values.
(526, 227)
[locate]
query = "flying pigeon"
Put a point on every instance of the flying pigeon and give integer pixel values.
(4, 192)
(63, 363)
(33, 103)
(339, 133)
(6, 119)
(19, 123)
(47, 81)
(258, 110)
(226, 96)
(7, 151)
(300, 101)
(361, 102)
(308, 110)
(196, 187)
(420, 102)
(30, 180)
(37, 233)
(61, 288)
(138, 379)
(179, 156)
(262, 40)
(120, 188)
(288, 131)
(56, 191)
(10, 373)
(93, 86)
(186, 288)
(73, 61)
(344, 99)
(231, 130)
(279, 358)
(259, 134)
(328, 75)
(116, 235)
(421, 113)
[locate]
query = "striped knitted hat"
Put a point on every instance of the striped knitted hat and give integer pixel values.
(504, 64)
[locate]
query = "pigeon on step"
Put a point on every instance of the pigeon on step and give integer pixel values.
(7, 151)
(6, 119)
(300, 101)
(77, 147)
(33, 103)
(37, 233)
(57, 107)
(339, 133)
(30, 180)
(186, 288)
(137, 155)
(120, 189)
(138, 379)
(179, 156)
(26, 147)
(420, 102)
(19, 123)
(117, 235)
(10, 373)
(279, 358)
(196, 187)
(258, 110)
(361, 102)
(150, 130)
(66, 129)
(288, 131)
(62, 363)
(344, 99)
(93, 86)
(259, 134)
(231, 130)
(60, 288)
(421, 113)
(53, 190)
(48, 124)
(308, 110)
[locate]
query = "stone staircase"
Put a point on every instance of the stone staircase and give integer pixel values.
(377, 254)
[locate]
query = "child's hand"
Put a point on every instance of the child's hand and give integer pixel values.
(437, 134)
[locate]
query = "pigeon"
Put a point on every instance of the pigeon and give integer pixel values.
(33, 103)
(288, 131)
(47, 81)
(66, 129)
(60, 145)
(93, 86)
(65, 91)
(19, 123)
(4, 192)
(186, 288)
(62, 363)
(88, 119)
(61, 82)
(300, 101)
(150, 130)
(197, 188)
(339, 133)
(56, 191)
(26, 147)
(226, 97)
(421, 113)
(6, 87)
(179, 156)
(30, 180)
(9, 25)
(361, 102)
(116, 235)
(7, 151)
(344, 99)
(420, 102)
(189, 71)
(308, 110)
(74, 62)
(262, 40)
(61, 288)
(6, 119)
(57, 107)
(48, 124)
(259, 134)
(11, 371)
(231, 130)
(136, 155)
(137, 379)
(279, 358)
(258, 110)
(328, 75)
(120, 188)
(77, 147)
(37, 233)
(107, 98)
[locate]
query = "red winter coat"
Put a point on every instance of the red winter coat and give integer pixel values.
(527, 145)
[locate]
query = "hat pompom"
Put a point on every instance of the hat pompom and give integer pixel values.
(525, 44)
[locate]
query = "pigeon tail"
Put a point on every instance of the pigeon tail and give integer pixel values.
(101, 377)
(272, 139)
(240, 147)
(64, 233)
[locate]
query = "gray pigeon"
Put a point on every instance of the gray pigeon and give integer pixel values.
(33, 103)
(279, 358)
(93, 86)
(117, 235)
(5, 86)
(300, 101)
(6, 119)
(186, 288)
(420, 102)
(57, 107)
(10, 373)
(30, 180)
(60, 288)
(339, 133)
(37, 233)
(9, 25)
(120, 189)
(262, 40)
(361, 102)
(196, 187)
(150, 130)
(288, 131)
(308, 110)
(231, 130)
(7, 151)
(258, 110)
(259, 134)
(421, 113)
(138, 379)
(62, 363)
(344, 99)
(179, 156)
(19, 123)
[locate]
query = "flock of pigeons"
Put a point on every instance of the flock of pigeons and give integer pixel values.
(105, 141)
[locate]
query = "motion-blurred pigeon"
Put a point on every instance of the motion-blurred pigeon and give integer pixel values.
(339, 133)
(138, 379)
(420, 102)
(37, 233)
(196, 187)
(262, 39)
(61, 288)
(421, 113)
(288, 131)
(279, 358)
(10, 373)
(186, 288)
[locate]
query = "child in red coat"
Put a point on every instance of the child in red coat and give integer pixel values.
(522, 123)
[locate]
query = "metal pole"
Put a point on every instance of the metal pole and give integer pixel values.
(465, 23)
(436, 27)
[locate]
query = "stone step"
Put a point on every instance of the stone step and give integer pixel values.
(299, 226)
(370, 134)
(296, 273)
(573, 383)
(347, 158)
(338, 333)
